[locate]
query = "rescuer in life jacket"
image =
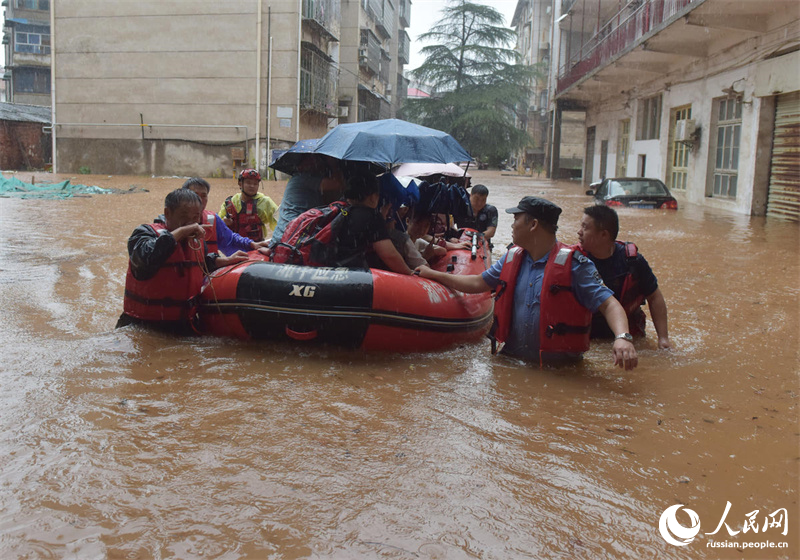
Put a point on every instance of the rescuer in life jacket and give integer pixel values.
(625, 271)
(546, 293)
(166, 266)
(249, 212)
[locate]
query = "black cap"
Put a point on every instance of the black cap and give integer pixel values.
(539, 208)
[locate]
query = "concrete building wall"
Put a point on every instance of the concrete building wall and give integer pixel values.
(187, 70)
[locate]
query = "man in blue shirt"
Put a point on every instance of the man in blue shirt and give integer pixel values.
(534, 232)
(227, 241)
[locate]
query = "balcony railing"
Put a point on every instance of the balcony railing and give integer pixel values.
(318, 79)
(325, 13)
(621, 32)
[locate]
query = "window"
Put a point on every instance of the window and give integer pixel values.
(679, 169)
(33, 4)
(726, 160)
(31, 80)
(32, 39)
(648, 120)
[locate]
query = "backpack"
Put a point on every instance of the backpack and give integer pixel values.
(310, 239)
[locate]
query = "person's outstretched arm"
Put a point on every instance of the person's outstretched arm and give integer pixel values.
(471, 284)
(623, 351)
(658, 312)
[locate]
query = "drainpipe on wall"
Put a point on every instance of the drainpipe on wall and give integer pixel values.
(258, 89)
(299, 62)
(269, 85)
(53, 83)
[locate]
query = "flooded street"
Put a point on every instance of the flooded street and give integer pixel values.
(134, 444)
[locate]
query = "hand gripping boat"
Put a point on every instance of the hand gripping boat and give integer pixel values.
(369, 309)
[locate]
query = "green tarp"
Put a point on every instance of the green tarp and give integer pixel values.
(13, 187)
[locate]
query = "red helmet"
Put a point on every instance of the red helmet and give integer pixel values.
(249, 174)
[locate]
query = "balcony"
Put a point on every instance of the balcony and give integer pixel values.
(318, 79)
(621, 33)
(324, 16)
(404, 13)
(369, 52)
(385, 23)
(403, 48)
(607, 51)
(386, 64)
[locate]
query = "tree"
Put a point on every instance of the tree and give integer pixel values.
(477, 81)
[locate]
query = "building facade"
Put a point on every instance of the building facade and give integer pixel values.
(26, 41)
(703, 94)
(533, 23)
(202, 88)
(375, 48)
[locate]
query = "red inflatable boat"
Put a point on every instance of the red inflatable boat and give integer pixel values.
(370, 309)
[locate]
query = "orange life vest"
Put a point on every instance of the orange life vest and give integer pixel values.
(631, 296)
(171, 294)
(564, 323)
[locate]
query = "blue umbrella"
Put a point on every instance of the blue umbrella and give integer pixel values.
(287, 161)
(391, 141)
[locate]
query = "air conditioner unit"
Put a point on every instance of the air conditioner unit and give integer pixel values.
(684, 130)
(388, 88)
(343, 111)
(363, 52)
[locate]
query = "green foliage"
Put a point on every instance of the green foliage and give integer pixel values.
(84, 170)
(477, 81)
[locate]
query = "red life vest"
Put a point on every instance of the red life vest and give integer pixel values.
(171, 294)
(246, 221)
(210, 226)
(564, 323)
(631, 296)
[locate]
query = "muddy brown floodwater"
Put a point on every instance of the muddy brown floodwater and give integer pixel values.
(133, 444)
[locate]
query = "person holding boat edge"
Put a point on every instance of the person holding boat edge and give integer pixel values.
(166, 267)
(546, 293)
(219, 236)
(626, 272)
(365, 229)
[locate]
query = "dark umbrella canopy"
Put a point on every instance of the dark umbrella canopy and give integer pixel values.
(288, 161)
(391, 141)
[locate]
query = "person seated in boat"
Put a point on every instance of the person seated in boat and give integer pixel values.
(364, 229)
(403, 241)
(218, 235)
(419, 224)
(626, 272)
(546, 293)
(484, 218)
(166, 266)
(249, 212)
(317, 176)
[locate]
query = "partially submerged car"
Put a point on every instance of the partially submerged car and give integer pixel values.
(633, 192)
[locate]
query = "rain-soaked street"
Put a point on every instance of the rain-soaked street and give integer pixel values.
(133, 444)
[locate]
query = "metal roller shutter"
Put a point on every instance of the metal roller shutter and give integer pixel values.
(783, 200)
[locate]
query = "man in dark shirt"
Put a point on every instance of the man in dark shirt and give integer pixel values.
(624, 271)
(484, 215)
(365, 229)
